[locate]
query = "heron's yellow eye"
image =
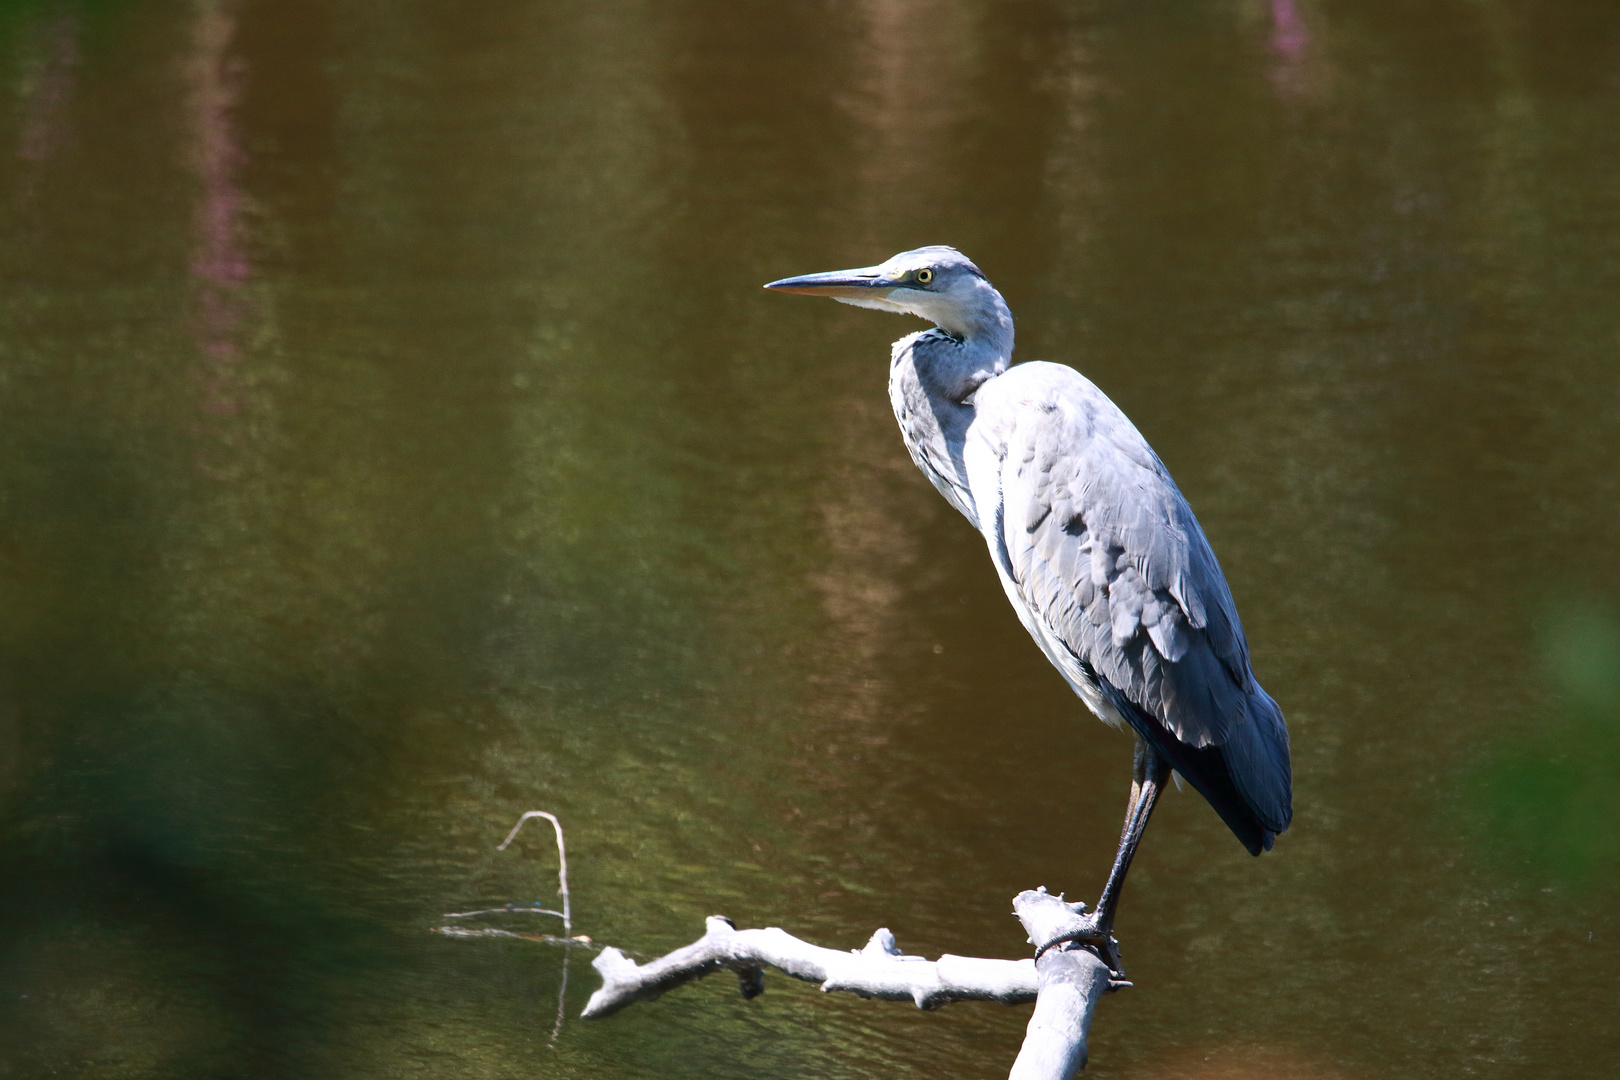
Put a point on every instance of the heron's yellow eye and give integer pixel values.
(925, 276)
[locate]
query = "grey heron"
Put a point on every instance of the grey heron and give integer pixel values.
(1097, 550)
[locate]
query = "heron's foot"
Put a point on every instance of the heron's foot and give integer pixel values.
(1054, 922)
(1062, 924)
(1098, 939)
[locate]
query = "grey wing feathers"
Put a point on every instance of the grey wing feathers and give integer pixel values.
(1107, 554)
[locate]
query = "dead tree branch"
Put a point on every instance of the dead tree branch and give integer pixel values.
(879, 970)
(1064, 983)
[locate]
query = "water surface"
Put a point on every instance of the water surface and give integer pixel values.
(394, 437)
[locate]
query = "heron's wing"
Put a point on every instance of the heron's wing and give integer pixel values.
(1107, 555)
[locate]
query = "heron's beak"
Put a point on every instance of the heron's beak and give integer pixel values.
(867, 283)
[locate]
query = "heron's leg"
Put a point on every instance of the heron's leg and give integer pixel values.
(1149, 775)
(1096, 928)
(1138, 771)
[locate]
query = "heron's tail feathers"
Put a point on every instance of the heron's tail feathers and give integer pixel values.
(1247, 779)
(1257, 756)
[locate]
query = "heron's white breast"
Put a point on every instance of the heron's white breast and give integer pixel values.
(985, 455)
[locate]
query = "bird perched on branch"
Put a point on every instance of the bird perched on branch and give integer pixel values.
(1098, 551)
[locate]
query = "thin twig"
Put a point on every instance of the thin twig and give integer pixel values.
(562, 862)
(491, 931)
(518, 908)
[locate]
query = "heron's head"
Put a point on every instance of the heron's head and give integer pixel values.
(938, 283)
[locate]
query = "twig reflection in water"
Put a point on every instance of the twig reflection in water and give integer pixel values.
(568, 940)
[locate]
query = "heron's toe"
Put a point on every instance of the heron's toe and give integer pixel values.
(1100, 941)
(1082, 928)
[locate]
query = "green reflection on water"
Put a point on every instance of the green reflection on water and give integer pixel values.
(1549, 805)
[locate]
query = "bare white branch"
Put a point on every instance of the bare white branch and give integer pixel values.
(1046, 917)
(1065, 983)
(876, 971)
(1072, 979)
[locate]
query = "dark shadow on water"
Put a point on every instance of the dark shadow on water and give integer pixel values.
(155, 860)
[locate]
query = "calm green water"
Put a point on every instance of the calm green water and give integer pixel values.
(394, 437)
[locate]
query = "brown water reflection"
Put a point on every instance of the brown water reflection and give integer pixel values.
(1245, 1063)
(394, 437)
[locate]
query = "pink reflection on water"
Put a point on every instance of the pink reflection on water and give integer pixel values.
(218, 262)
(1289, 36)
(1289, 42)
(45, 89)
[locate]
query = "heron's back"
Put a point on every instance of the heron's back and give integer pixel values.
(1110, 572)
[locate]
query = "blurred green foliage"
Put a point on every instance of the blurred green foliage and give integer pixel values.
(1547, 805)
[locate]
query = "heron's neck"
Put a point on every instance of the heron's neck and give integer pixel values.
(970, 347)
(932, 379)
